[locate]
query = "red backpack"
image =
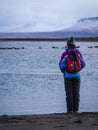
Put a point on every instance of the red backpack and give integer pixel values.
(73, 62)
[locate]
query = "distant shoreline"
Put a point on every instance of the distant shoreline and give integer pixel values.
(83, 39)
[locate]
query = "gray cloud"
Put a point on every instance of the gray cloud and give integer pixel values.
(44, 15)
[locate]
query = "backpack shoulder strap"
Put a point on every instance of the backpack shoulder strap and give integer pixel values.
(68, 51)
(75, 50)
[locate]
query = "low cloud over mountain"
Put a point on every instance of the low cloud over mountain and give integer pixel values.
(87, 27)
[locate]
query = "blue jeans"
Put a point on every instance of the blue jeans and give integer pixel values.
(72, 87)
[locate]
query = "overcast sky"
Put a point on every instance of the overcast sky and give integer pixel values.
(44, 15)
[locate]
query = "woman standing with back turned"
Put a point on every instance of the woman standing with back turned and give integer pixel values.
(72, 79)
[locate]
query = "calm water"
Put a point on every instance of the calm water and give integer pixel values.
(31, 82)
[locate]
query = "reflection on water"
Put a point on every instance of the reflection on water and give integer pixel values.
(31, 82)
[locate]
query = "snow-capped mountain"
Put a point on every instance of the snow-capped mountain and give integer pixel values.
(86, 27)
(86, 24)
